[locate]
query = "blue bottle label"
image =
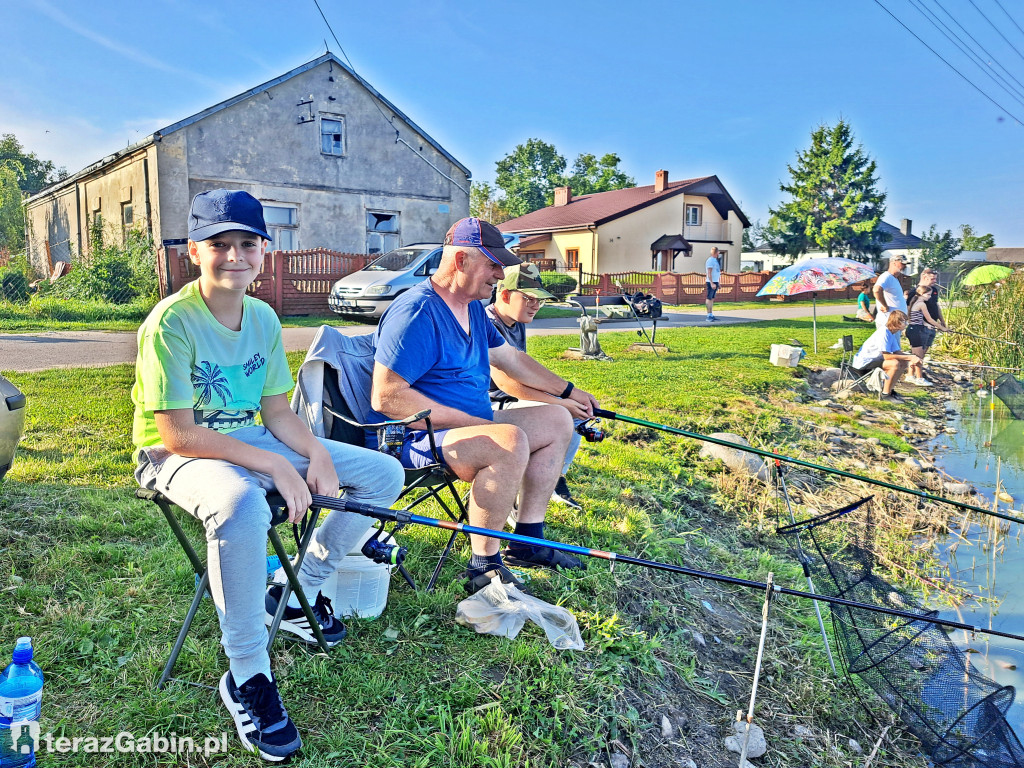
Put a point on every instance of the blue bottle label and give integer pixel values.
(9, 706)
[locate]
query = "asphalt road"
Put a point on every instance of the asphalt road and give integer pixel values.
(23, 352)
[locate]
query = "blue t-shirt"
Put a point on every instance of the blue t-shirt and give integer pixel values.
(878, 344)
(420, 339)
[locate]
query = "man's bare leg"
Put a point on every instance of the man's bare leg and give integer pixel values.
(548, 429)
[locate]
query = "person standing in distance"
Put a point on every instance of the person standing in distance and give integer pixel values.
(888, 291)
(714, 274)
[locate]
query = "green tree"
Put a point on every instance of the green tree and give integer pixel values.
(32, 173)
(755, 236)
(484, 204)
(937, 248)
(590, 174)
(835, 204)
(969, 241)
(12, 212)
(529, 175)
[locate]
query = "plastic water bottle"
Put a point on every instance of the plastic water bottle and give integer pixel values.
(21, 692)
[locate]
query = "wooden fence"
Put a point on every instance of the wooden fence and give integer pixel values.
(689, 288)
(292, 282)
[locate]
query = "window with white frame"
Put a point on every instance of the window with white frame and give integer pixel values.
(693, 215)
(332, 134)
(282, 226)
(382, 232)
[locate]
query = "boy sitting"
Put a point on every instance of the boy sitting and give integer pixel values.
(210, 359)
(882, 350)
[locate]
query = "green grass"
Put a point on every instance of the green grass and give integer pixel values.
(97, 579)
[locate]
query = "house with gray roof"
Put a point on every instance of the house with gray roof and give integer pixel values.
(335, 164)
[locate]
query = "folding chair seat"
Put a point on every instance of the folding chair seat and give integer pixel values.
(332, 394)
(279, 515)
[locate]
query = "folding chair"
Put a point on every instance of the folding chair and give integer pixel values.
(279, 515)
(332, 395)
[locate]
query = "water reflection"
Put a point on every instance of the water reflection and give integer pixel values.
(987, 450)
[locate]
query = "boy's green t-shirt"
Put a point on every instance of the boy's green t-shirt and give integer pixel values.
(187, 359)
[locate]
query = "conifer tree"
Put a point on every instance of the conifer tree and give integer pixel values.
(835, 205)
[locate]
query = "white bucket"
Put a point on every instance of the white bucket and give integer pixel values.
(359, 587)
(786, 356)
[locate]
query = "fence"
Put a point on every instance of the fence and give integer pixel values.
(688, 288)
(292, 282)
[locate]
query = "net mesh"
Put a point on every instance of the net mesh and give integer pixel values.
(957, 713)
(1011, 392)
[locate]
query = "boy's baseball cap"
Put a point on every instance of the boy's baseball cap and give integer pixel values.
(524, 278)
(224, 210)
(477, 233)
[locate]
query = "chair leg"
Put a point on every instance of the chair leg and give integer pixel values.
(293, 585)
(441, 561)
(201, 588)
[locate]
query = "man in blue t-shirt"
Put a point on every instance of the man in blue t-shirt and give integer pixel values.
(434, 350)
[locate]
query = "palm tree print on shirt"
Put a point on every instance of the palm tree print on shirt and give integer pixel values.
(208, 381)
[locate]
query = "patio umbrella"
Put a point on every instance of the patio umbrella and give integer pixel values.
(813, 275)
(986, 273)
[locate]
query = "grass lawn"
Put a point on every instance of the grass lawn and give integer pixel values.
(96, 578)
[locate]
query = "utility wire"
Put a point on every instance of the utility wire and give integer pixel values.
(1012, 20)
(986, 18)
(959, 43)
(975, 41)
(389, 120)
(967, 79)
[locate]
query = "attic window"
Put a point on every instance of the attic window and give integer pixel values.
(332, 135)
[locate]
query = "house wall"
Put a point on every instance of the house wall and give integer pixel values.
(260, 145)
(58, 224)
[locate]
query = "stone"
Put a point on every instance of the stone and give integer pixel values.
(698, 638)
(828, 377)
(618, 760)
(667, 731)
(855, 747)
(912, 464)
(951, 430)
(756, 746)
(958, 489)
(836, 440)
(687, 763)
(738, 461)
(858, 464)
(874, 441)
(859, 408)
(818, 410)
(801, 732)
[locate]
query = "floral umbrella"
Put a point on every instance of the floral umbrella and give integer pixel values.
(825, 274)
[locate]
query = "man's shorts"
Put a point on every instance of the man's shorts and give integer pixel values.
(920, 335)
(416, 448)
(711, 289)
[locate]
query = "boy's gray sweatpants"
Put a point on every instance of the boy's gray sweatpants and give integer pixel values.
(231, 504)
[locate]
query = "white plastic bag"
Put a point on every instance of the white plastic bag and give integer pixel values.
(501, 609)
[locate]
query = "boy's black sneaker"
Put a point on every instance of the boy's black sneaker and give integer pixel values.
(295, 621)
(260, 717)
(562, 495)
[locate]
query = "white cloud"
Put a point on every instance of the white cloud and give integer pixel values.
(130, 53)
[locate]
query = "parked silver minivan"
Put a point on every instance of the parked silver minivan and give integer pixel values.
(371, 290)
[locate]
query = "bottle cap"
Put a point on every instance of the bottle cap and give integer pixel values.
(22, 650)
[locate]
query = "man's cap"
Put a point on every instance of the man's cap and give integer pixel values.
(477, 233)
(897, 257)
(224, 210)
(524, 278)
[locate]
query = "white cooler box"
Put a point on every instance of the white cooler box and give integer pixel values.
(785, 355)
(359, 587)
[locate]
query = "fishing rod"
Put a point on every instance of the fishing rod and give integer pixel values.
(601, 412)
(976, 336)
(973, 365)
(404, 517)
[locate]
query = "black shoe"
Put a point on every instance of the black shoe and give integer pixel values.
(475, 580)
(563, 496)
(891, 397)
(260, 717)
(542, 557)
(295, 621)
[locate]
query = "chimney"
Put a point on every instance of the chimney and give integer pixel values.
(905, 226)
(660, 181)
(562, 196)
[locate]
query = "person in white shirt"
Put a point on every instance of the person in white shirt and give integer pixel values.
(888, 291)
(882, 350)
(714, 275)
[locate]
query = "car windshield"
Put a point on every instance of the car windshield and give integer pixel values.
(395, 261)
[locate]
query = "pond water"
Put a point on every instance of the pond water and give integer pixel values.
(988, 445)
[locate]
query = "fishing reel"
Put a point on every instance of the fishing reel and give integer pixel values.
(591, 430)
(383, 552)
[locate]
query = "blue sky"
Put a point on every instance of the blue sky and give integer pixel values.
(732, 87)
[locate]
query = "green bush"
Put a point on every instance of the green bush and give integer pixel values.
(113, 273)
(13, 285)
(558, 283)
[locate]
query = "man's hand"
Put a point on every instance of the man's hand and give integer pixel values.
(581, 404)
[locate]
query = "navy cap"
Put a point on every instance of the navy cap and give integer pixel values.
(477, 233)
(224, 210)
